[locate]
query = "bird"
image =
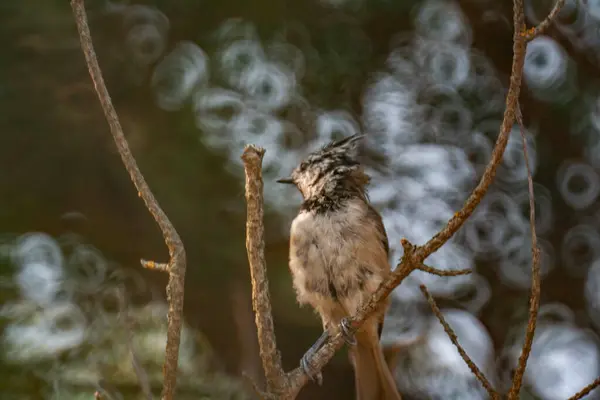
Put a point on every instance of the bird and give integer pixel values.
(338, 257)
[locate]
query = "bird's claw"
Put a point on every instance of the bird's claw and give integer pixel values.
(347, 332)
(316, 377)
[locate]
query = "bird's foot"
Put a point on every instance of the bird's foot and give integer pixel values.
(347, 332)
(314, 376)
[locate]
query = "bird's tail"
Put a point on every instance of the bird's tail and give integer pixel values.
(373, 379)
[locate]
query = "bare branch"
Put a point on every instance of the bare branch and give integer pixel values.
(450, 332)
(534, 300)
(440, 272)
(538, 30)
(508, 121)
(154, 265)
(255, 246)
(177, 261)
(586, 390)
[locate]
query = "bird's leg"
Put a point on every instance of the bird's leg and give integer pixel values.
(347, 332)
(316, 377)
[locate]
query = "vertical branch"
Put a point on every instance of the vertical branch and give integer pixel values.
(514, 90)
(534, 300)
(255, 245)
(177, 261)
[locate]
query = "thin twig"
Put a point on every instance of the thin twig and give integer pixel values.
(586, 390)
(450, 332)
(155, 265)
(255, 246)
(534, 299)
(177, 261)
(441, 272)
(538, 30)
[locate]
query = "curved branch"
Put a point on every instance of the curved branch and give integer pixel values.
(538, 30)
(450, 332)
(534, 299)
(177, 261)
(508, 121)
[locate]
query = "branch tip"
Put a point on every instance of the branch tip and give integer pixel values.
(407, 246)
(154, 265)
(532, 33)
(251, 152)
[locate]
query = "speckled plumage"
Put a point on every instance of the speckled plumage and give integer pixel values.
(339, 254)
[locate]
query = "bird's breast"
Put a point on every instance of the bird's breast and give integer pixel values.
(330, 255)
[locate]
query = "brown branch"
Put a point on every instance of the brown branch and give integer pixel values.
(508, 121)
(450, 332)
(586, 390)
(538, 30)
(534, 299)
(154, 265)
(255, 246)
(441, 272)
(177, 260)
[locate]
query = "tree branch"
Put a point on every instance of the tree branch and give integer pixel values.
(534, 300)
(450, 332)
(508, 121)
(538, 30)
(177, 261)
(441, 272)
(255, 246)
(586, 390)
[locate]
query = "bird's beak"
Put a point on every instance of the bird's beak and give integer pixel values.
(288, 181)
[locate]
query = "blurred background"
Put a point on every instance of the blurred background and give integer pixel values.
(193, 82)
